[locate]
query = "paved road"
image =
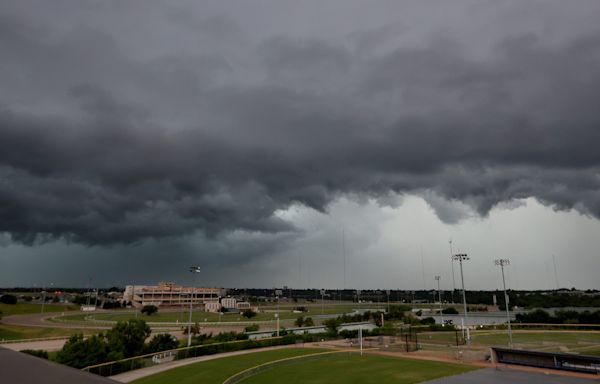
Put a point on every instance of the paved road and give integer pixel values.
(507, 376)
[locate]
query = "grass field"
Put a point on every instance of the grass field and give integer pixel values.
(215, 371)
(23, 308)
(342, 368)
(16, 332)
(543, 340)
(182, 316)
(353, 368)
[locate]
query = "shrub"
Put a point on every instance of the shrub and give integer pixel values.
(252, 328)
(149, 309)
(37, 353)
(248, 313)
(450, 311)
(162, 342)
(8, 299)
(80, 353)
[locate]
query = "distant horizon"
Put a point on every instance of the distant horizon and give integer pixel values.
(313, 289)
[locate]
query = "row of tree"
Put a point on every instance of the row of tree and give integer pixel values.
(125, 339)
(560, 317)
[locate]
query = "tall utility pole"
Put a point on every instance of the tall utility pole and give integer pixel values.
(452, 263)
(437, 278)
(194, 269)
(502, 263)
(388, 299)
(344, 255)
(460, 257)
(555, 272)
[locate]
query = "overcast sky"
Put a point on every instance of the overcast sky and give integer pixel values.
(274, 142)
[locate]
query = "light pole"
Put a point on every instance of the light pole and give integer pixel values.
(193, 269)
(388, 299)
(452, 263)
(502, 263)
(43, 300)
(460, 257)
(437, 278)
(322, 301)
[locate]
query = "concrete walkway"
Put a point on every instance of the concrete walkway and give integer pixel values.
(139, 373)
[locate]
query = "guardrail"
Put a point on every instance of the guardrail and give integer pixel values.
(119, 366)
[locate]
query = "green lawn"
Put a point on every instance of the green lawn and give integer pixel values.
(200, 317)
(346, 368)
(549, 341)
(541, 338)
(21, 308)
(16, 332)
(215, 371)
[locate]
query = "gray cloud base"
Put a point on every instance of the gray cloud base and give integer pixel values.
(213, 124)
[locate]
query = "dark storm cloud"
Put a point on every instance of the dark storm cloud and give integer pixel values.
(112, 138)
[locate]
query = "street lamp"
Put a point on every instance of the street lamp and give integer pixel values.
(460, 257)
(43, 300)
(388, 299)
(193, 269)
(502, 263)
(437, 278)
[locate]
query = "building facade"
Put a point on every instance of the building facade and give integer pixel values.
(169, 294)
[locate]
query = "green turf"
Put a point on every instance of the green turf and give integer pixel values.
(541, 338)
(215, 371)
(353, 368)
(197, 316)
(17, 332)
(23, 308)
(548, 341)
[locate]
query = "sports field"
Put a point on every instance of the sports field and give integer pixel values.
(215, 371)
(583, 342)
(17, 332)
(173, 315)
(353, 368)
(24, 308)
(338, 368)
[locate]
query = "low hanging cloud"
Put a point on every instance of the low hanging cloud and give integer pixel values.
(215, 125)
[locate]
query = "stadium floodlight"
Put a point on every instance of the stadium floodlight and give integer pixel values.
(463, 257)
(193, 269)
(501, 263)
(438, 278)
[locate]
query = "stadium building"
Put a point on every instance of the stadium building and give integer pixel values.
(169, 294)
